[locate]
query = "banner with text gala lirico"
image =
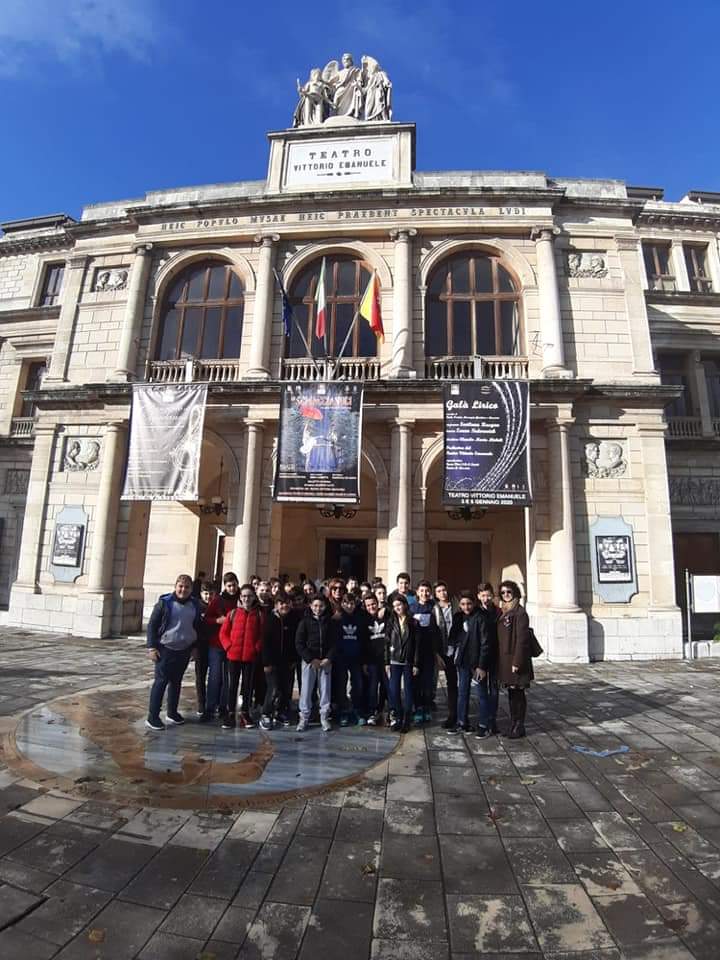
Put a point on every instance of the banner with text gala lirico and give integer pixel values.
(487, 449)
(166, 430)
(318, 457)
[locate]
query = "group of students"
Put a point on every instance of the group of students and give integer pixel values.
(354, 651)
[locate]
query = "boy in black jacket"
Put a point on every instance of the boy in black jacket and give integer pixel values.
(315, 641)
(464, 637)
(428, 640)
(486, 670)
(279, 656)
(374, 656)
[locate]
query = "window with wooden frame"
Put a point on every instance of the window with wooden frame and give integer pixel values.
(472, 308)
(202, 314)
(346, 279)
(712, 379)
(34, 375)
(52, 284)
(674, 372)
(657, 266)
(696, 263)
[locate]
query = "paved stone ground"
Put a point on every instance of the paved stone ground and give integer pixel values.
(452, 849)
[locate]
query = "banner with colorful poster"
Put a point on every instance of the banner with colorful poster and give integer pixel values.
(487, 449)
(318, 456)
(166, 430)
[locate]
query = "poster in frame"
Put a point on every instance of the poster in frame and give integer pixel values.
(614, 558)
(68, 544)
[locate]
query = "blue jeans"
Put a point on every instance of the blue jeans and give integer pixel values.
(487, 692)
(401, 673)
(169, 670)
(463, 701)
(341, 668)
(217, 687)
(376, 680)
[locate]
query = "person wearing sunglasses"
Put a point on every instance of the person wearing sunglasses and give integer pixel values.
(515, 670)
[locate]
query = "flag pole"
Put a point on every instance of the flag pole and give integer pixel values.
(345, 341)
(296, 324)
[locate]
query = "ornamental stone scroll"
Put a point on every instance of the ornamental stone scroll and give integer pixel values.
(82, 455)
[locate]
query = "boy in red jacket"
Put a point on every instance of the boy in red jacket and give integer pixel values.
(218, 611)
(241, 636)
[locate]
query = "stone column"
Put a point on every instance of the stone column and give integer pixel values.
(402, 342)
(660, 564)
(631, 261)
(133, 318)
(33, 524)
(72, 289)
(553, 363)
(400, 526)
(105, 514)
(677, 258)
(259, 365)
(246, 530)
(562, 522)
(699, 391)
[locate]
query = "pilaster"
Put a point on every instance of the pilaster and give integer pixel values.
(259, 364)
(75, 270)
(630, 256)
(132, 321)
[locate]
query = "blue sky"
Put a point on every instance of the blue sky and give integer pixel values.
(105, 99)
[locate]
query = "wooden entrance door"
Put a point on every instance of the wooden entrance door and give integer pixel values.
(346, 558)
(460, 564)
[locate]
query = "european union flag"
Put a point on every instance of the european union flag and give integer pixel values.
(287, 312)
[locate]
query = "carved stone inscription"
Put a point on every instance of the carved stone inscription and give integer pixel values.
(586, 265)
(604, 459)
(695, 491)
(16, 481)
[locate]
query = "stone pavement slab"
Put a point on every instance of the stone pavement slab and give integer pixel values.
(453, 848)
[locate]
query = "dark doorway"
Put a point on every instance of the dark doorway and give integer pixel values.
(349, 557)
(460, 565)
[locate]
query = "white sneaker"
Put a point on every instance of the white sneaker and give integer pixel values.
(325, 724)
(302, 725)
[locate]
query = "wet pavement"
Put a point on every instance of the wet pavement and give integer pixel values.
(450, 847)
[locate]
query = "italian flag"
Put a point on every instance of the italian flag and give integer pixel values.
(370, 307)
(321, 305)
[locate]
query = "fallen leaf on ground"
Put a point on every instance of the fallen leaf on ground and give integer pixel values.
(679, 827)
(96, 936)
(368, 868)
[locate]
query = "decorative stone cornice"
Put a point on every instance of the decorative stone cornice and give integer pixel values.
(55, 241)
(689, 297)
(29, 314)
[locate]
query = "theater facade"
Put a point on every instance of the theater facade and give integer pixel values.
(602, 296)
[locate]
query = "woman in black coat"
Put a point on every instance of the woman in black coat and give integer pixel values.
(515, 669)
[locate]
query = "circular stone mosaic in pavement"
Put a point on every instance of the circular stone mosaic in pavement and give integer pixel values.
(95, 743)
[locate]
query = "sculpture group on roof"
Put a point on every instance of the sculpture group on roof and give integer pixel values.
(344, 90)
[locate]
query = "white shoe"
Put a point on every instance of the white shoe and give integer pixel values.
(302, 725)
(325, 724)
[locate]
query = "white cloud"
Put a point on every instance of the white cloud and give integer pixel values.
(73, 32)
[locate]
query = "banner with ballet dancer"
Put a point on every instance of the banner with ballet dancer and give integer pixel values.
(318, 456)
(487, 449)
(166, 431)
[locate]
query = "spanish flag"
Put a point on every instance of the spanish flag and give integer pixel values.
(370, 307)
(321, 305)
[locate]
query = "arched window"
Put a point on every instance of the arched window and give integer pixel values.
(202, 314)
(345, 282)
(472, 309)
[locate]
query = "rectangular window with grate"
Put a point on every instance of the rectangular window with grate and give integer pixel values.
(52, 284)
(696, 262)
(657, 266)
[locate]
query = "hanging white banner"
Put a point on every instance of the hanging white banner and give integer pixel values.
(166, 430)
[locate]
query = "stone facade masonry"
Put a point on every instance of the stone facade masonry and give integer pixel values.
(591, 365)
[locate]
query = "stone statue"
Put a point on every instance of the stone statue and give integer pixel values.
(377, 91)
(346, 85)
(344, 91)
(315, 101)
(586, 265)
(82, 455)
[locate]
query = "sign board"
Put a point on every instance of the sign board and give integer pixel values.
(487, 456)
(340, 162)
(318, 458)
(706, 594)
